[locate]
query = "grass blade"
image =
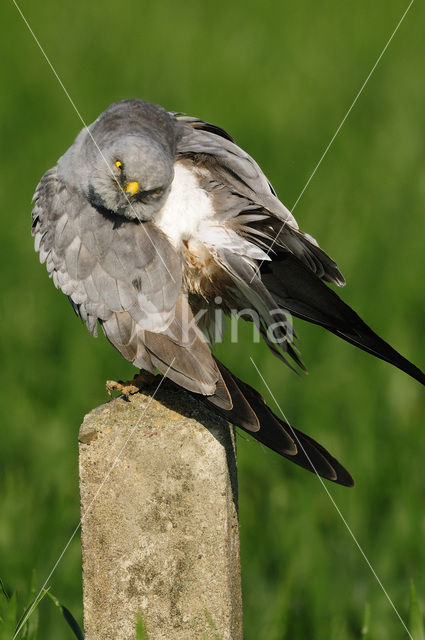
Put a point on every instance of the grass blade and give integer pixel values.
(72, 623)
(3, 589)
(416, 623)
(212, 624)
(366, 621)
(33, 606)
(8, 613)
(141, 633)
(75, 627)
(31, 627)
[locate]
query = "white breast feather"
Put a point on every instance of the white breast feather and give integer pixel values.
(187, 206)
(189, 214)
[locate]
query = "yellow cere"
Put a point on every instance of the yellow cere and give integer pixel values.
(118, 164)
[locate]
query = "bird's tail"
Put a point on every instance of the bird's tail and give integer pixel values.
(297, 290)
(250, 412)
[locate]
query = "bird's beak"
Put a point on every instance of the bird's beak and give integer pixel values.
(131, 188)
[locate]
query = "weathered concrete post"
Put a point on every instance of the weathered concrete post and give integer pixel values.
(159, 523)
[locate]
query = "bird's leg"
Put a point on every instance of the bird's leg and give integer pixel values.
(129, 387)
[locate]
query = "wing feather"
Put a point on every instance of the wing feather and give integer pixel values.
(238, 186)
(182, 347)
(105, 266)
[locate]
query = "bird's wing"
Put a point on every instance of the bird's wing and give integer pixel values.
(102, 264)
(181, 351)
(294, 276)
(296, 289)
(272, 321)
(239, 187)
(127, 276)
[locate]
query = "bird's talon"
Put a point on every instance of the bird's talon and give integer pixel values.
(130, 387)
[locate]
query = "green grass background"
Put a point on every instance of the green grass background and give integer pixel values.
(279, 76)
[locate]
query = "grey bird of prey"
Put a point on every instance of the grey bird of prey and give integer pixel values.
(152, 218)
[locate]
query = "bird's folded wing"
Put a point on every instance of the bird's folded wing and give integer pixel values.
(182, 353)
(271, 320)
(238, 185)
(127, 276)
(237, 167)
(298, 291)
(103, 264)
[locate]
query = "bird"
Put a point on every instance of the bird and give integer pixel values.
(151, 223)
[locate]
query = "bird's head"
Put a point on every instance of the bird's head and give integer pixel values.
(130, 177)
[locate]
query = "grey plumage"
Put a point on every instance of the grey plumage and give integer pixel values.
(150, 217)
(102, 264)
(230, 167)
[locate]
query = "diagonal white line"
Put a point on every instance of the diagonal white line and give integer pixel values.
(99, 489)
(331, 498)
(74, 106)
(341, 124)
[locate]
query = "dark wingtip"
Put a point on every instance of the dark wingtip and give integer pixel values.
(315, 458)
(346, 479)
(304, 295)
(369, 341)
(415, 373)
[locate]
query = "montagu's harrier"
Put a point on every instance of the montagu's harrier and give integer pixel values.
(151, 217)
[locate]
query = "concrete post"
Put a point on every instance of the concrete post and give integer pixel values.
(159, 522)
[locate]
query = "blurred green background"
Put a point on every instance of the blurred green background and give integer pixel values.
(279, 76)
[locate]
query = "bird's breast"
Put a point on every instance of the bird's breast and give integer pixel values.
(185, 219)
(187, 207)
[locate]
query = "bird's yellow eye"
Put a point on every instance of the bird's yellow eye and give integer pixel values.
(158, 191)
(118, 164)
